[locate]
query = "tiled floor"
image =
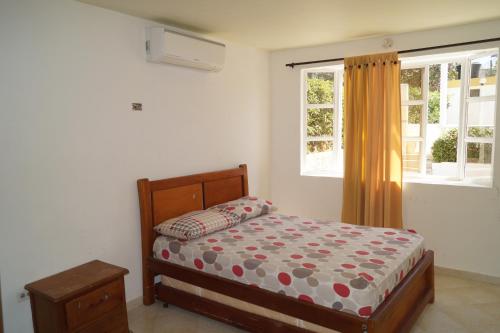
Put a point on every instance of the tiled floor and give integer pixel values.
(461, 306)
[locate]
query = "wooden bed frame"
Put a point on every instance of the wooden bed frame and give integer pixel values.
(166, 198)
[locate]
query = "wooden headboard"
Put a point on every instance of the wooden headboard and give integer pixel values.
(162, 199)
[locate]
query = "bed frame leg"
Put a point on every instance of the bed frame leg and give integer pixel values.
(148, 287)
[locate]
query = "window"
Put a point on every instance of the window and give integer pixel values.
(448, 105)
(322, 122)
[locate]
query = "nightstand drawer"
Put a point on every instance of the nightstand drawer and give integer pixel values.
(95, 304)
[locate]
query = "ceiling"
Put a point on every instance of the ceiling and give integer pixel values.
(278, 24)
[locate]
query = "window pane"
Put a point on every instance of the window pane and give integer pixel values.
(442, 156)
(320, 88)
(453, 95)
(319, 156)
(480, 119)
(483, 76)
(479, 158)
(320, 122)
(434, 94)
(412, 151)
(412, 120)
(411, 84)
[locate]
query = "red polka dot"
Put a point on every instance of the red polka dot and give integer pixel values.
(376, 242)
(306, 298)
(296, 256)
(355, 233)
(284, 278)
(341, 289)
(260, 256)
(290, 229)
(297, 234)
(365, 311)
(237, 270)
(253, 223)
(340, 241)
(251, 248)
(279, 244)
(212, 240)
(346, 227)
(390, 233)
(198, 263)
(307, 222)
(308, 265)
(324, 251)
(259, 228)
(412, 231)
(217, 248)
(348, 266)
(248, 209)
(233, 231)
(377, 261)
(269, 202)
(230, 208)
(238, 237)
(390, 249)
(366, 276)
(313, 244)
(362, 253)
(165, 254)
(402, 239)
(270, 237)
(330, 235)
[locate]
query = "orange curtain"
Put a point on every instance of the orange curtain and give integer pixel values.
(372, 147)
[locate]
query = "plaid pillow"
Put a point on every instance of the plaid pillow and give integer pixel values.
(197, 224)
(246, 207)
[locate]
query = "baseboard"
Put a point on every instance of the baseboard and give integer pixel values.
(134, 303)
(468, 275)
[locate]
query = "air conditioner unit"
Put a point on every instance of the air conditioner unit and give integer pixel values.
(164, 46)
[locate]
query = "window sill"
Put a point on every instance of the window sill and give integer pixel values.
(322, 174)
(409, 180)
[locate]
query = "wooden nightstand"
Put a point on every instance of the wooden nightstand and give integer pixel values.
(86, 299)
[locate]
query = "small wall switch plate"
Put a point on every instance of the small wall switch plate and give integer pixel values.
(22, 296)
(136, 106)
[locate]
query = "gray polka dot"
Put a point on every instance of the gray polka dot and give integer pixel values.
(174, 246)
(209, 257)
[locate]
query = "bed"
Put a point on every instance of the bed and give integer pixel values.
(279, 273)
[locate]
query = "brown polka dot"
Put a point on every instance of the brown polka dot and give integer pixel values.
(312, 282)
(260, 272)
(369, 265)
(218, 266)
(301, 272)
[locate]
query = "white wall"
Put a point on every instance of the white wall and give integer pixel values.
(71, 150)
(461, 224)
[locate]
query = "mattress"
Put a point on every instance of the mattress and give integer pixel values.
(340, 266)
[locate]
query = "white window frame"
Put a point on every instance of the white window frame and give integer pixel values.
(338, 80)
(462, 135)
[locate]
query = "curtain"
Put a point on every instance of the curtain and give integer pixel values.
(372, 141)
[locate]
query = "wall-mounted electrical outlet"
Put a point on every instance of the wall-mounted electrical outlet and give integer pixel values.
(22, 296)
(136, 106)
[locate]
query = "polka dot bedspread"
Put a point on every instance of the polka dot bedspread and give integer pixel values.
(340, 266)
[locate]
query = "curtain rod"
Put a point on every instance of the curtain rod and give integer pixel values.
(293, 64)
